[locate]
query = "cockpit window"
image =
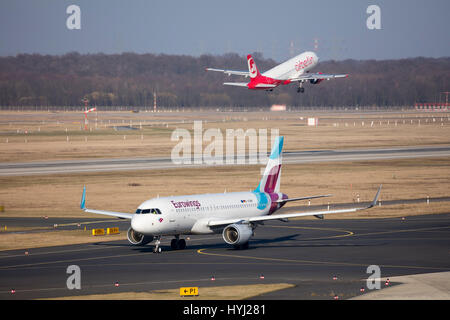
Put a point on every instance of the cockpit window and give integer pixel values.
(145, 211)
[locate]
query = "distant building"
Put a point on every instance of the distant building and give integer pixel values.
(432, 106)
(278, 107)
(314, 122)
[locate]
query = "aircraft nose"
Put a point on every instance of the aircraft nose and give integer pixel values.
(136, 223)
(144, 224)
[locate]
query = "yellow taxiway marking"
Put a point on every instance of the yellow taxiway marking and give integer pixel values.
(90, 248)
(68, 260)
(84, 259)
(347, 234)
(400, 231)
(201, 251)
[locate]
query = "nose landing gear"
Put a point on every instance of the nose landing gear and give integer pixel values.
(157, 248)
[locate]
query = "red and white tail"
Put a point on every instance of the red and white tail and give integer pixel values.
(253, 70)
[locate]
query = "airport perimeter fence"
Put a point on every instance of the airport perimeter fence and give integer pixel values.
(409, 108)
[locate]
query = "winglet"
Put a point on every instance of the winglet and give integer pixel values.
(374, 202)
(83, 199)
(277, 148)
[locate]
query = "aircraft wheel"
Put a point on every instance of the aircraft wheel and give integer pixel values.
(241, 246)
(174, 244)
(181, 244)
(157, 250)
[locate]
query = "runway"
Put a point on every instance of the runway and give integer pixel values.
(106, 165)
(306, 253)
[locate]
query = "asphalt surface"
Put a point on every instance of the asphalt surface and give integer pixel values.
(37, 224)
(306, 253)
(102, 165)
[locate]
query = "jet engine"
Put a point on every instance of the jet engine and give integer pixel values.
(138, 239)
(315, 81)
(237, 234)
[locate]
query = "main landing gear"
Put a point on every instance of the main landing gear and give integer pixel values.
(177, 243)
(243, 246)
(300, 87)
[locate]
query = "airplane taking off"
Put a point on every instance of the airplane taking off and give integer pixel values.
(293, 70)
(234, 214)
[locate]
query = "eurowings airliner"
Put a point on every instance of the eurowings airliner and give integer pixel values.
(293, 70)
(235, 215)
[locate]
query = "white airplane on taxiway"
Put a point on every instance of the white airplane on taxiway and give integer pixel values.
(235, 215)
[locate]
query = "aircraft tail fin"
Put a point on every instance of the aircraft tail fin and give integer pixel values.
(253, 70)
(270, 181)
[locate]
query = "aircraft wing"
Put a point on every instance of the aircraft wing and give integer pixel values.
(302, 198)
(318, 76)
(266, 85)
(244, 84)
(230, 72)
(237, 84)
(122, 215)
(214, 223)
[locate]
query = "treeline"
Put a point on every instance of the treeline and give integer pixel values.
(130, 79)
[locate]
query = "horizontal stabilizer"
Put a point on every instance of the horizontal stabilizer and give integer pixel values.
(230, 72)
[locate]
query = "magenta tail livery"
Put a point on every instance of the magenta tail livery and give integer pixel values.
(235, 215)
(295, 70)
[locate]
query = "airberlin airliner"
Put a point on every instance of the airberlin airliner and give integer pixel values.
(293, 70)
(235, 215)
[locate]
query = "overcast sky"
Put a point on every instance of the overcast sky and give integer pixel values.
(277, 28)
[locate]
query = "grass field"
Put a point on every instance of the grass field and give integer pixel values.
(205, 293)
(59, 195)
(61, 136)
